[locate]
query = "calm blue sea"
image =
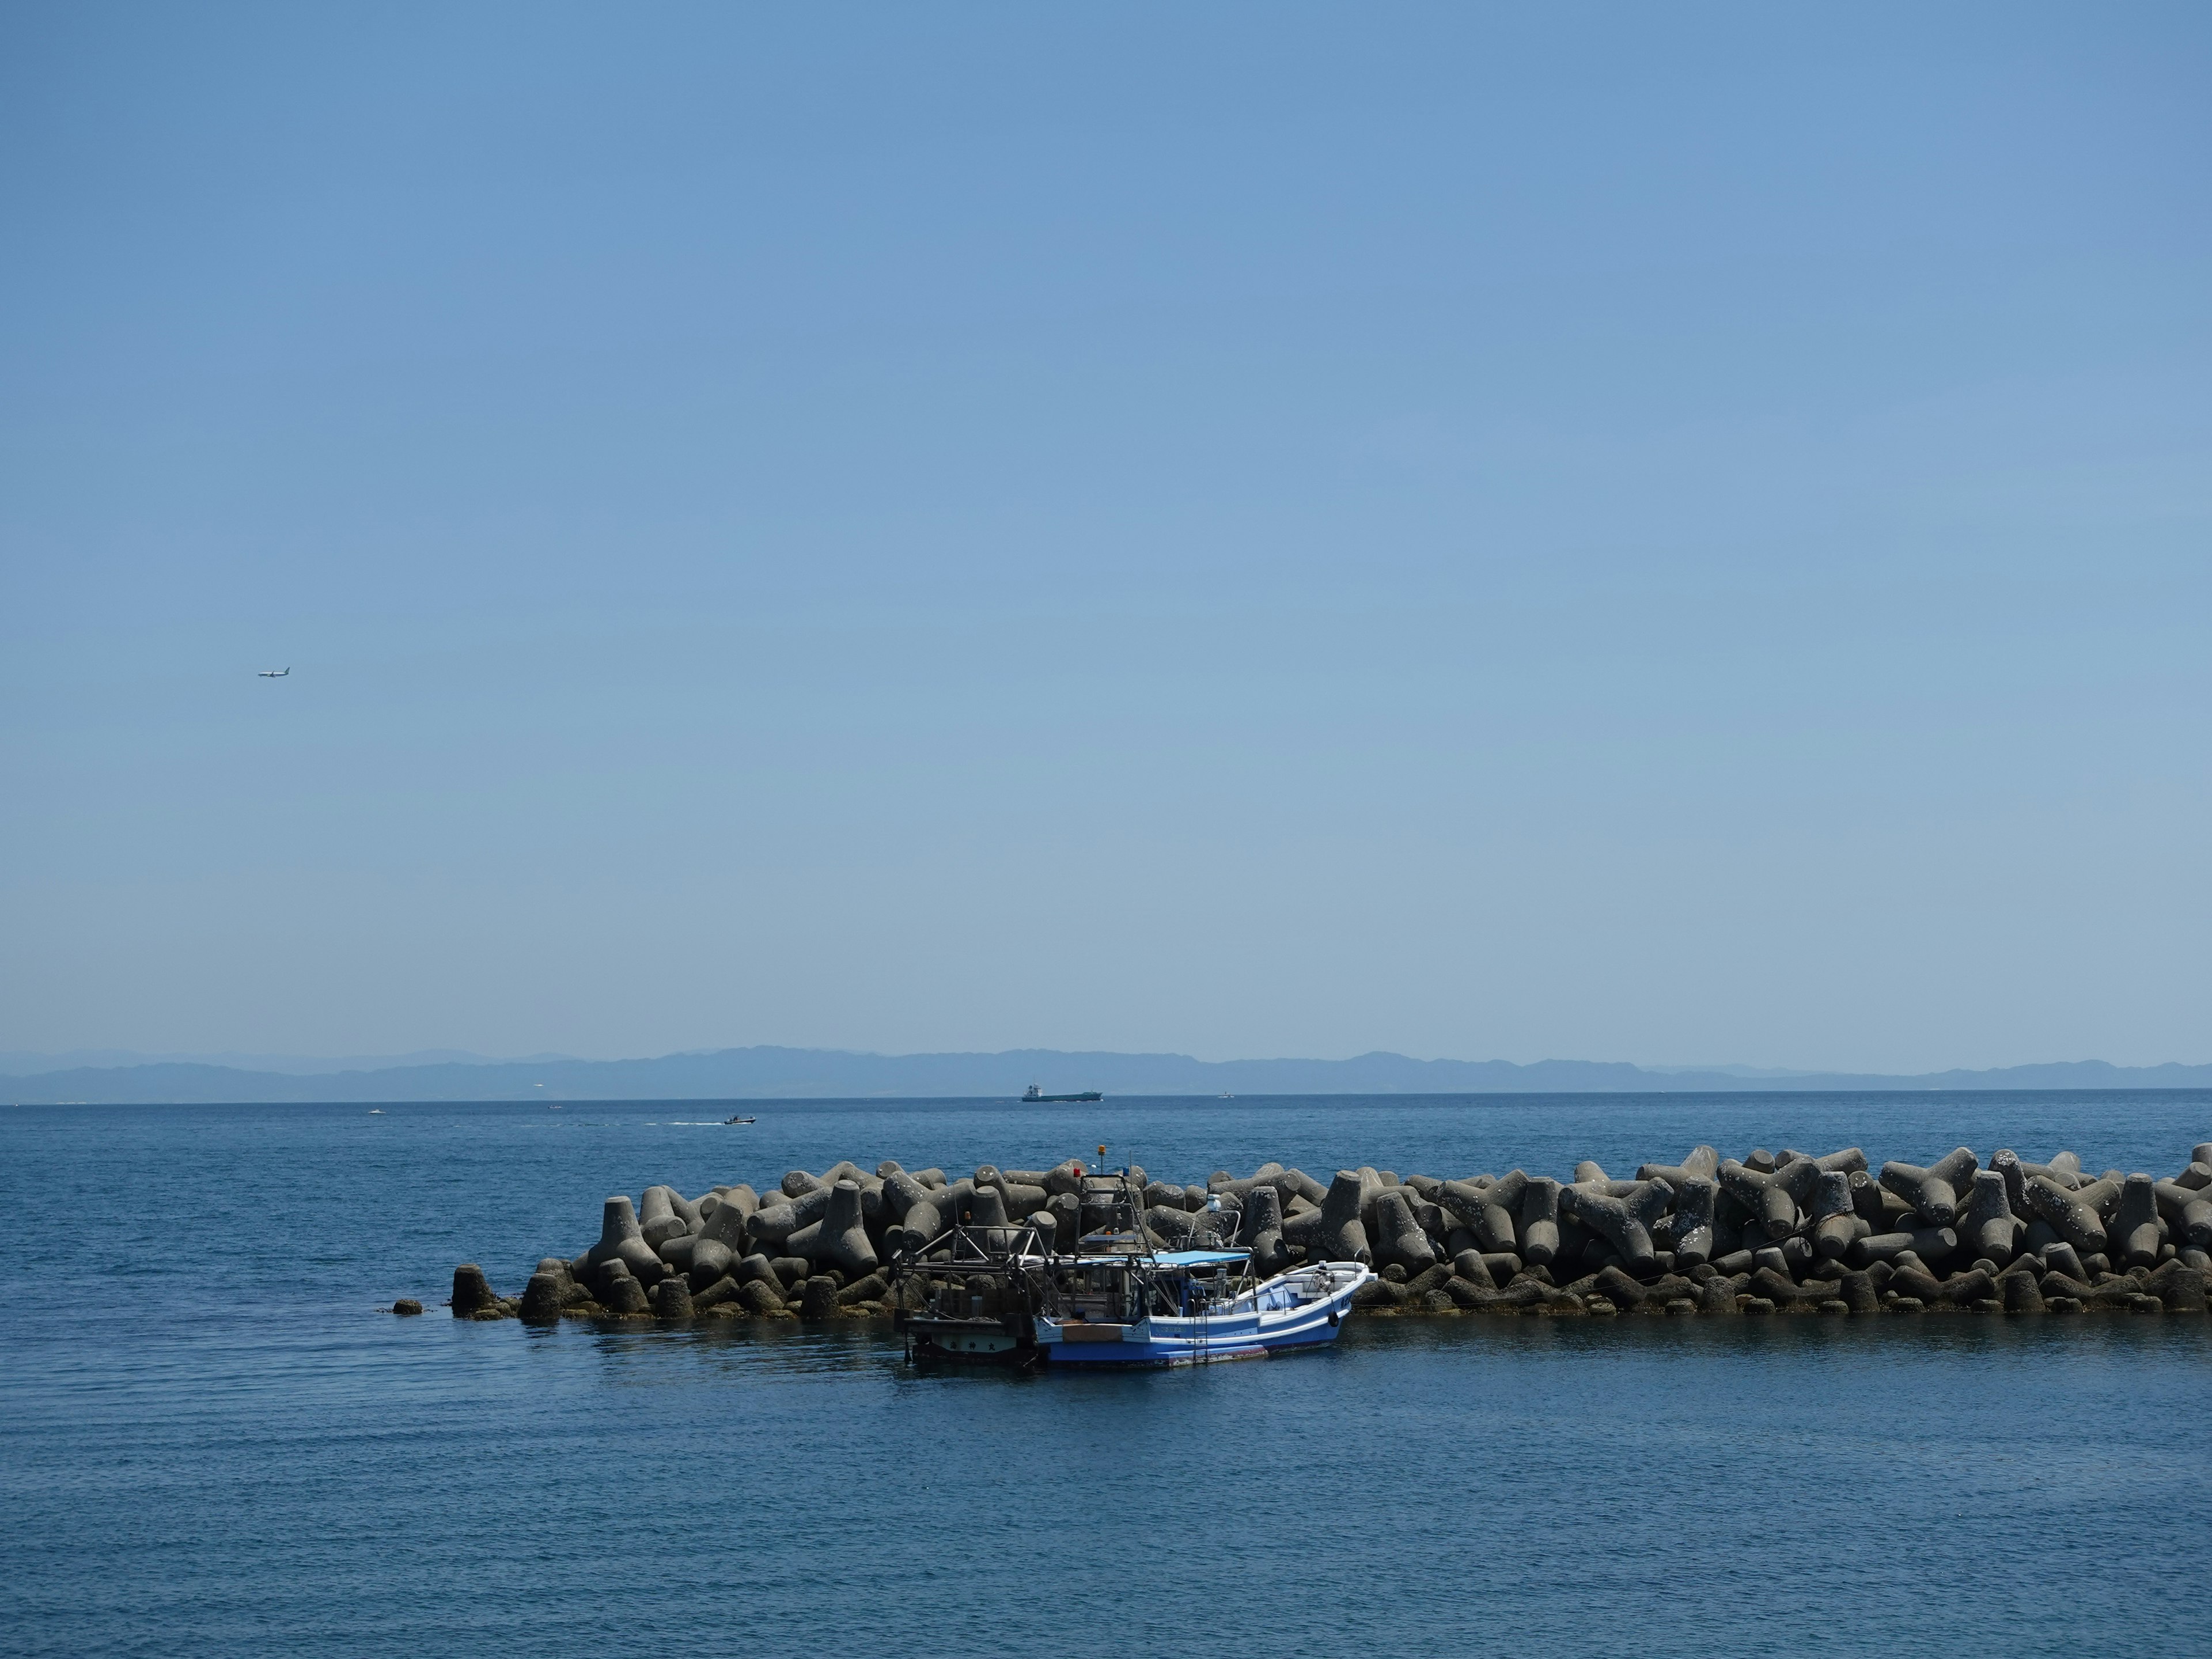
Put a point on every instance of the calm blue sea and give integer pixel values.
(213, 1441)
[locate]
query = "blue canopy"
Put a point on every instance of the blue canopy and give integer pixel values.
(1199, 1258)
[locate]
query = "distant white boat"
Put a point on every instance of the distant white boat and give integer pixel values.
(376, 1111)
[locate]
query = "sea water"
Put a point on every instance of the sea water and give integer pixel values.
(214, 1440)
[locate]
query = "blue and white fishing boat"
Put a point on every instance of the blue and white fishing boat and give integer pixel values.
(1002, 1294)
(1192, 1308)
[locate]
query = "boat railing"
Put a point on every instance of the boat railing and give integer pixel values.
(985, 1249)
(1013, 1255)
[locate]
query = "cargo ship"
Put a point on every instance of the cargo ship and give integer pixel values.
(1034, 1099)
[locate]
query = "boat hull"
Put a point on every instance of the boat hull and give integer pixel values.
(1274, 1324)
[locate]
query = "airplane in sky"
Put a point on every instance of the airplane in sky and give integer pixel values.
(275, 674)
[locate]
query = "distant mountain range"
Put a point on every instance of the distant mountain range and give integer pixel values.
(768, 1073)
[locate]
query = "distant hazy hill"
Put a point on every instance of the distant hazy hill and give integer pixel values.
(764, 1074)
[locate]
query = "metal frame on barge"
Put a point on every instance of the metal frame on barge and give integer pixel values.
(1114, 1300)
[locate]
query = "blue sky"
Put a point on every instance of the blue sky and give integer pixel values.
(1674, 535)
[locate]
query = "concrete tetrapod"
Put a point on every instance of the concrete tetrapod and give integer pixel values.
(2188, 1211)
(542, 1298)
(2182, 1289)
(1867, 1201)
(776, 1223)
(760, 1295)
(1371, 1186)
(902, 1192)
(705, 1260)
(1064, 1209)
(719, 1244)
(927, 1217)
(1703, 1163)
(1835, 1218)
(871, 1289)
(1848, 1162)
(1616, 1220)
(1469, 1267)
(743, 1197)
(1648, 1202)
(728, 1294)
(1618, 1288)
(1066, 1178)
(984, 1207)
(1772, 1197)
(2133, 1236)
(620, 1240)
(725, 1223)
(1334, 1232)
(1296, 1184)
(1398, 1237)
(672, 1299)
(1989, 1228)
(622, 1295)
(1692, 1230)
(1539, 1221)
(1491, 1212)
(1020, 1198)
(1242, 1188)
(1932, 1191)
(839, 1240)
(1961, 1290)
(2113, 1292)
(2073, 1215)
(1173, 1227)
(658, 1218)
(1782, 1290)
(2063, 1258)
(1932, 1243)
(1261, 1230)
(472, 1294)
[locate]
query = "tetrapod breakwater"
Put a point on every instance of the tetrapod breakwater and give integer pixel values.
(1769, 1233)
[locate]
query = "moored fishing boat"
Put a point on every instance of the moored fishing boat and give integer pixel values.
(1185, 1314)
(1004, 1295)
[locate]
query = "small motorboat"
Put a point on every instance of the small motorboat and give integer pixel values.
(376, 1111)
(739, 1120)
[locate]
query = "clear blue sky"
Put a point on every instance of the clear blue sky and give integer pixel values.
(1676, 533)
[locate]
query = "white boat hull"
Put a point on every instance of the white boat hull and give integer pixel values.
(1302, 1309)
